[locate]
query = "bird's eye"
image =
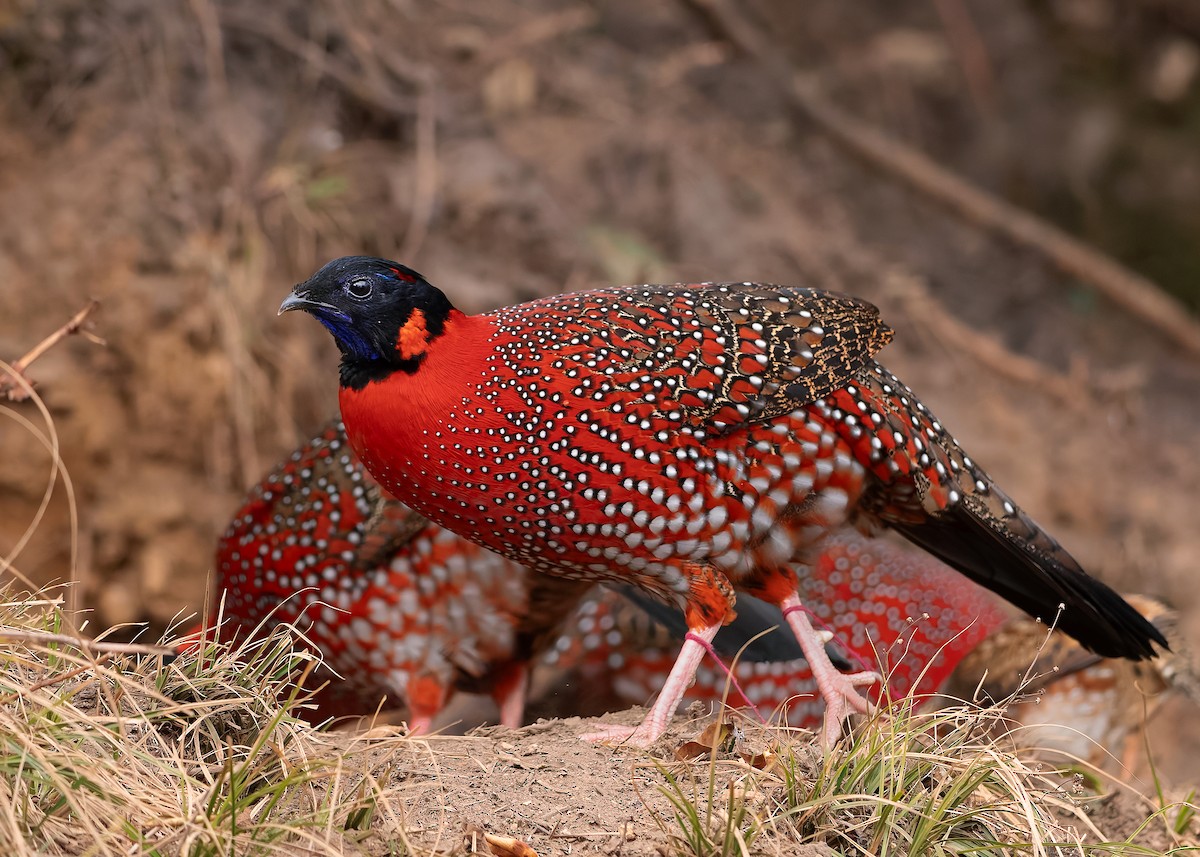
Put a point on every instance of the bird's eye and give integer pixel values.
(359, 288)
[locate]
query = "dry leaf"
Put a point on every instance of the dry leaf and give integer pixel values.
(691, 750)
(718, 735)
(764, 761)
(506, 846)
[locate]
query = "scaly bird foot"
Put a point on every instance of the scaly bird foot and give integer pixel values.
(840, 692)
(838, 689)
(642, 735)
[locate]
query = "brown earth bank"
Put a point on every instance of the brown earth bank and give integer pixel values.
(545, 787)
(185, 163)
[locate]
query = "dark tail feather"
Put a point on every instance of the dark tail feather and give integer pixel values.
(1036, 582)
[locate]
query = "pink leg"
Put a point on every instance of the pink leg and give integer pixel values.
(839, 690)
(420, 724)
(509, 693)
(678, 681)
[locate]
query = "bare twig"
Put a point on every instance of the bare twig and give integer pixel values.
(354, 84)
(970, 52)
(16, 392)
(543, 28)
(927, 310)
(677, 64)
(214, 49)
(360, 45)
(1131, 291)
(425, 178)
(45, 638)
(380, 63)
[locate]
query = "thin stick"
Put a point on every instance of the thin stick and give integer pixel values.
(971, 53)
(425, 179)
(15, 635)
(14, 391)
(313, 54)
(927, 310)
(1131, 291)
(544, 28)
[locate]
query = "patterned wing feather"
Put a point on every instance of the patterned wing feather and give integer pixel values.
(713, 356)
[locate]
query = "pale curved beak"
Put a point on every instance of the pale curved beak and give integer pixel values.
(299, 301)
(292, 301)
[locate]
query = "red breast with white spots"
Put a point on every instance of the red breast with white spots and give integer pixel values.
(388, 598)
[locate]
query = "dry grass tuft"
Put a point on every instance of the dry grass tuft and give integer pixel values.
(909, 784)
(944, 782)
(126, 748)
(133, 751)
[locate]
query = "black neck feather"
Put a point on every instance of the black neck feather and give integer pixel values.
(356, 374)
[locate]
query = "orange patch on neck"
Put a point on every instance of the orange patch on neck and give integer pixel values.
(413, 339)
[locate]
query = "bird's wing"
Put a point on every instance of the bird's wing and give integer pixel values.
(715, 356)
(1038, 581)
(927, 488)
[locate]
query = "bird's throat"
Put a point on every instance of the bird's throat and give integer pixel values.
(397, 420)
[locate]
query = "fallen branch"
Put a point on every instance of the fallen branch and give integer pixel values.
(1131, 291)
(12, 387)
(988, 351)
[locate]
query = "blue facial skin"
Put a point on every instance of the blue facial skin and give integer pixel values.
(343, 330)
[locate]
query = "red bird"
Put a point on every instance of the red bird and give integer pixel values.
(691, 440)
(407, 611)
(403, 610)
(889, 605)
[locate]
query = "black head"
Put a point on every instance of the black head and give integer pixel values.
(381, 314)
